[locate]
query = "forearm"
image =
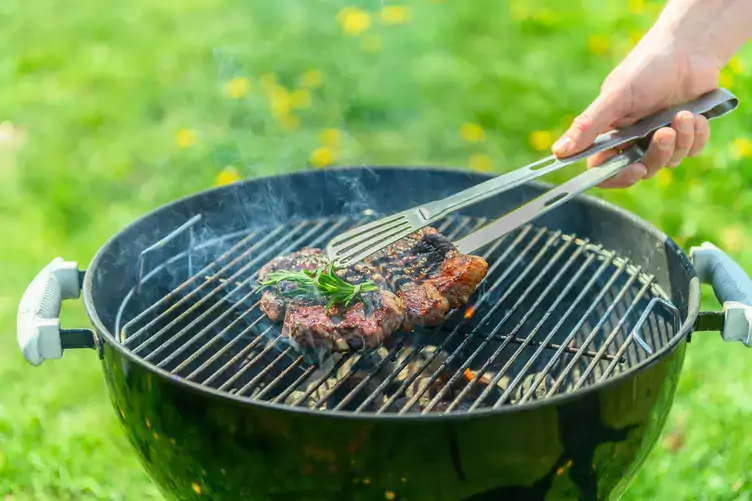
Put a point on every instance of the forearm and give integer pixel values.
(718, 28)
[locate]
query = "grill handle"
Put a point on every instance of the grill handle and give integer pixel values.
(731, 285)
(38, 322)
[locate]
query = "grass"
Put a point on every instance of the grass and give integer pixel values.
(112, 109)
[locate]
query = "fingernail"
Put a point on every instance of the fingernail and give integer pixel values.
(563, 145)
(666, 142)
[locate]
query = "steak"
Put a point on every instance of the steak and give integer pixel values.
(309, 323)
(419, 279)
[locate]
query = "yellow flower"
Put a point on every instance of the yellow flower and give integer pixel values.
(322, 157)
(237, 88)
(312, 79)
(725, 79)
(228, 175)
(372, 43)
(598, 44)
(664, 177)
(635, 36)
(330, 137)
(354, 21)
(741, 147)
(185, 138)
(733, 239)
(196, 488)
(480, 162)
(300, 99)
(280, 101)
(541, 140)
(395, 14)
(636, 6)
(389, 495)
(736, 66)
(472, 133)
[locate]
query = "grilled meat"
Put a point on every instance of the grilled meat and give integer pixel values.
(420, 279)
(429, 274)
(308, 322)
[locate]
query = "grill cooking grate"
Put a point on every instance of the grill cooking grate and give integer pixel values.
(555, 314)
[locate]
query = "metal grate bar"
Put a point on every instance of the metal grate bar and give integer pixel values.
(549, 346)
(136, 335)
(480, 372)
(463, 224)
(193, 357)
(408, 381)
(228, 384)
(432, 379)
(317, 384)
(563, 374)
(280, 377)
(534, 358)
(177, 290)
(367, 379)
(557, 355)
(224, 349)
(257, 379)
(287, 391)
(520, 300)
(393, 375)
(643, 318)
(604, 346)
(180, 333)
(190, 295)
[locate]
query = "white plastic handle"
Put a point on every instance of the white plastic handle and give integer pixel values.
(732, 286)
(38, 324)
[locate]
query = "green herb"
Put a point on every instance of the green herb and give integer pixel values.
(321, 282)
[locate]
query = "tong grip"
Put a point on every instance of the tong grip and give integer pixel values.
(711, 105)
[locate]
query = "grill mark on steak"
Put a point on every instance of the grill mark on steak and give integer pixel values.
(308, 322)
(420, 279)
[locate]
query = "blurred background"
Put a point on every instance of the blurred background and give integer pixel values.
(109, 109)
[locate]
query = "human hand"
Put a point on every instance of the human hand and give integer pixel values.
(658, 73)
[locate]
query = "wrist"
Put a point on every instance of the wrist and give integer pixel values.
(712, 30)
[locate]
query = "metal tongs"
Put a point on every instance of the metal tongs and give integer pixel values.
(360, 242)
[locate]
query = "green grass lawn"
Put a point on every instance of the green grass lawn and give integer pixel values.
(109, 109)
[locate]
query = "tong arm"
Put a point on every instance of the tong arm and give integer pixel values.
(711, 105)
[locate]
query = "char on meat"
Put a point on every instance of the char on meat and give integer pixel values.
(420, 279)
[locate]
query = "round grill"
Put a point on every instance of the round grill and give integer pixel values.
(555, 313)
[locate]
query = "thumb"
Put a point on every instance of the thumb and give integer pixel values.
(595, 120)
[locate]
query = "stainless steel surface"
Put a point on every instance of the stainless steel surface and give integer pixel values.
(352, 246)
(555, 314)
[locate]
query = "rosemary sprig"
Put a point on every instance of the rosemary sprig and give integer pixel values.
(321, 282)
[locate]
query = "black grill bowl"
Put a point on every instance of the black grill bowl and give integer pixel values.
(199, 443)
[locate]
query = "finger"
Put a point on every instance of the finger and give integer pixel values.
(702, 134)
(660, 150)
(589, 124)
(684, 124)
(625, 178)
(600, 157)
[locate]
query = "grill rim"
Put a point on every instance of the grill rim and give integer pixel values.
(692, 307)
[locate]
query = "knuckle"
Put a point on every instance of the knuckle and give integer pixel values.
(581, 123)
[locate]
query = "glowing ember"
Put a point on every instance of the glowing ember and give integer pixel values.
(469, 375)
(469, 312)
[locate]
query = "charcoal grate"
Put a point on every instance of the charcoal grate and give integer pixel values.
(555, 314)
